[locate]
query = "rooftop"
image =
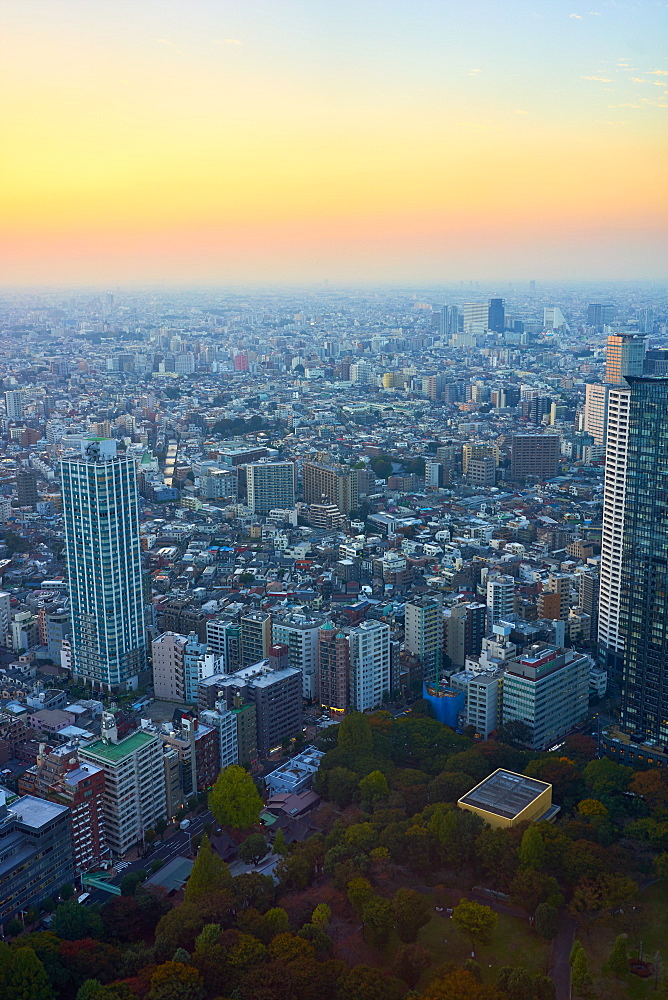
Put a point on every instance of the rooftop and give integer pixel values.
(505, 793)
(35, 812)
(113, 752)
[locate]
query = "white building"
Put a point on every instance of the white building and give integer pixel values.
(370, 667)
(500, 598)
(168, 666)
(134, 793)
(296, 774)
(5, 616)
(300, 634)
(484, 691)
(225, 721)
(14, 402)
(270, 485)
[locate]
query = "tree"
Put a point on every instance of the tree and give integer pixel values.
(341, 786)
(209, 873)
(131, 882)
(234, 800)
(150, 836)
(73, 922)
(161, 827)
(91, 989)
(377, 918)
(374, 787)
(279, 846)
(474, 920)
(355, 734)
(653, 787)
(593, 897)
(618, 962)
(515, 733)
(27, 978)
(321, 915)
(605, 777)
(253, 849)
(410, 962)
(546, 920)
(460, 984)
(360, 892)
(411, 911)
(365, 983)
(176, 981)
(449, 786)
(661, 866)
(592, 809)
(276, 921)
(532, 849)
(580, 977)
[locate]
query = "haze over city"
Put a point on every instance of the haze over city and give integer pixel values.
(285, 141)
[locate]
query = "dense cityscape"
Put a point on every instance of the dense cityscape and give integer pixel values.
(334, 643)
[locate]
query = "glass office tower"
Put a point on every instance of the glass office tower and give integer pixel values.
(644, 590)
(101, 514)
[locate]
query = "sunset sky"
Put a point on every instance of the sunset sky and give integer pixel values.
(268, 141)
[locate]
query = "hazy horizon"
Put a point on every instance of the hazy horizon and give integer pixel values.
(293, 142)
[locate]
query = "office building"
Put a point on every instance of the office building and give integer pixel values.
(330, 484)
(423, 622)
(478, 449)
(256, 637)
(36, 856)
(596, 411)
(134, 784)
(270, 485)
(370, 666)
(643, 614)
(534, 455)
(333, 668)
(476, 316)
(600, 315)
(625, 355)
(610, 637)
(59, 776)
(223, 637)
(198, 749)
(546, 688)
(14, 401)
(299, 633)
(100, 509)
(496, 316)
(500, 598)
(482, 471)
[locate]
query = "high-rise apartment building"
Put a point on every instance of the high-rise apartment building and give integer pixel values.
(255, 637)
(224, 722)
(299, 633)
(424, 634)
(270, 486)
(644, 594)
(333, 668)
(59, 776)
(500, 598)
(14, 401)
(547, 689)
(26, 488)
(465, 630)
(370, 665)
(534, 455)
(101, 517)
(134, 783)
(476, 316)
(223, 637)
(330, 484)
(610, 636)
(600, 314)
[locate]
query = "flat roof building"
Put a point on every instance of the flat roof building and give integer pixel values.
(506, 799)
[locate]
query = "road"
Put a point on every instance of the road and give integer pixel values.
(176, 844)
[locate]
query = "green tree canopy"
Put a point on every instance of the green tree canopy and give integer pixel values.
(474, 920)
(234, 800)
(209, 873)
(253, 849)
(374, 787)
(73, 922)
(411, 911)
(27, 978)
(355, 734)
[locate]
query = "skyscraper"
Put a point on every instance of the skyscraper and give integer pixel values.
(644, 594)
(100, 508)
(624, 356)
(14, 403)
(424, 633)
(496, 316)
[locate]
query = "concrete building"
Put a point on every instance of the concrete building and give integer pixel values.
(270, 485)
(534, 455)
(330, 484)
(224, 722)
(333, 668)
(506, 799)
(423, 625)
(14, 403)
(256, 637)
(547, 689)
(500, 598)
(370, 665)
(101, 519)
(299, 632)
(223, 637)
(295, 775)
(465, 630)
(198, 749)
(36, 856)
(26, 488)
(60, 777)
(134, 794)
(167, 652)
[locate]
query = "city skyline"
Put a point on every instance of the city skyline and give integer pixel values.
(272, 143)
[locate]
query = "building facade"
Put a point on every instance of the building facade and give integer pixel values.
(101, 518)
(370, 665)
(270, 485)
(333, 668)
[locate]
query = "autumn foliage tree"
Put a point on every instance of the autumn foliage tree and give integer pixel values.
(234, 800)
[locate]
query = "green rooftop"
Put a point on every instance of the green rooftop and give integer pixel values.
(117, 751)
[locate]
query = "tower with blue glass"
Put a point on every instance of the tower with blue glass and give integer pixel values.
(101, 515)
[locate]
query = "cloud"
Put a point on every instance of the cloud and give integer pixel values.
(472, 72)
(165, 41)
(232, 41)
(578, 17)
(599, 79)
(639, 79)
(658, 72)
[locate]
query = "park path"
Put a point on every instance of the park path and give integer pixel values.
(560, 969)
